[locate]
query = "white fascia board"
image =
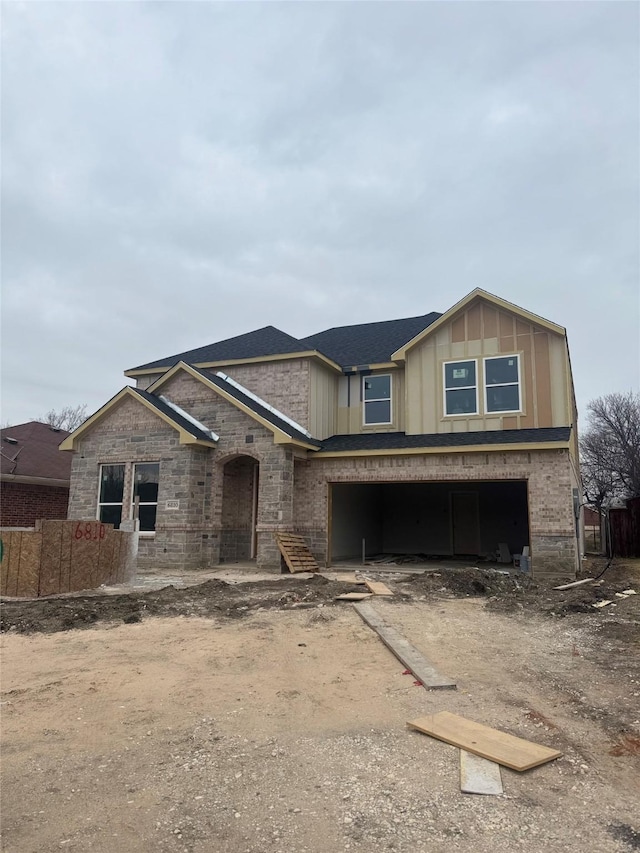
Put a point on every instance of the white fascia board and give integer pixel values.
(257, 399)
(209, 432)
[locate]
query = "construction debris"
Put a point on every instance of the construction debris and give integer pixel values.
(511, 751)
(404, 651)
(574, 583)
(377, 587)
(353, 596)
(295, 552)
(479, 775)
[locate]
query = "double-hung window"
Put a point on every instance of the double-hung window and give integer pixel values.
(145, 488)
(376, 392)
(460, 388)
(111, 494)
(502, 384)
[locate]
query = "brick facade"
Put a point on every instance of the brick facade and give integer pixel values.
(548, 474)
(215, 486)
(21, 504)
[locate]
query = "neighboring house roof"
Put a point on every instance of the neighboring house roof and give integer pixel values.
(368, 343)
(30, 450)
(400, 441)
(347, 346)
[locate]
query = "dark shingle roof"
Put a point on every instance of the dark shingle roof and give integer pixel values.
(368, 343)
(261, 342)
(32, 451)
(256, 407)
(401, 441)
(176, 417)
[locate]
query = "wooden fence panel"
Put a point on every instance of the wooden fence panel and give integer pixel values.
(29, 564)
(50, 562)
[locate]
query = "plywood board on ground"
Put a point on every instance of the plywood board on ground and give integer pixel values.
(377, 587)
(511, 751)
(479, 775)
(415, 662)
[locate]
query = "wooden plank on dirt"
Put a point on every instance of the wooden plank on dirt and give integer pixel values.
(353, 596)
(419, 666)
(377, 587)
(574, 583)
(479, 775)
(513, 752)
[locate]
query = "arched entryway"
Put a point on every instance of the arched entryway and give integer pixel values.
(239, 509)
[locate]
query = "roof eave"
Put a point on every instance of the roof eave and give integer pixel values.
(467, 448)
(205, 365)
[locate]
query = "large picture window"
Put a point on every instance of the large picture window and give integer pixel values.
(145, 487)
(502, 384)
(460, 388)
(111, 494)
(376, 391)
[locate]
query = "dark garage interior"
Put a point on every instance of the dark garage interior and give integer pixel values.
(430, 519)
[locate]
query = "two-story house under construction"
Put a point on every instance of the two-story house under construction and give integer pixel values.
(441, 435)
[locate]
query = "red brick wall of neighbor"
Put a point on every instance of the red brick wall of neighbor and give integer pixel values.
(21, 504)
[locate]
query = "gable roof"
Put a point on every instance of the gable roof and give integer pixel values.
(475, 295)
(31, 450)
(190, 430)
(368, 343)
(343, 346)
(250, 403)
(261, 342)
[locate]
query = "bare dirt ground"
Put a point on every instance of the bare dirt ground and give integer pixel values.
(264, 717)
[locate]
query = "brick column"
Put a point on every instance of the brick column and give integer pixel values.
(275, 503)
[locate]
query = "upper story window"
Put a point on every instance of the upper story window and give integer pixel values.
(376, 393)
(145, 487)
(111, 494)
(502, 384)
(460, 388)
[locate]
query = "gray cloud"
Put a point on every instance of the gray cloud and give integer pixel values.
(177, 173)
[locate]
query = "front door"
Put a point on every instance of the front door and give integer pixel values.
(465, 522)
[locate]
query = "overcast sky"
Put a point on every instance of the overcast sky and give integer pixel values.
(178, 173)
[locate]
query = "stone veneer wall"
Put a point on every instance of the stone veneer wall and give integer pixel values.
(547, 472)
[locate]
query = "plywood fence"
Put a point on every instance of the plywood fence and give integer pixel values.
(65, 556)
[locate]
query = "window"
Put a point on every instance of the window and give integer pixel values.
(460, 388)
(502, 384)
(145, 487)
(111, 493)
(377, 399)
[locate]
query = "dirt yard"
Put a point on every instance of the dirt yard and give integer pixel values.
(264, 717)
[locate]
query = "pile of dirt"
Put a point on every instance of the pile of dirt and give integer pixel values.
(212, 598)
(468, 582)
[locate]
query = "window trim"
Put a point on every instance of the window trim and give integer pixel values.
(518, 384)
(365, 422)
(463, 388)
(146, 534)
(121, 503)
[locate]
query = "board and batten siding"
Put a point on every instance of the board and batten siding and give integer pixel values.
(323, 401)
(350, 406)
(483, 330)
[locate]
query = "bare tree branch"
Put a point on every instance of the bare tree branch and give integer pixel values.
(610, 449)
(68, 418)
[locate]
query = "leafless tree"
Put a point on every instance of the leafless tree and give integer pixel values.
(610, 449)
(68, 418)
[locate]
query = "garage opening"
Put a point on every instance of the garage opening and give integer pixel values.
(428, 519)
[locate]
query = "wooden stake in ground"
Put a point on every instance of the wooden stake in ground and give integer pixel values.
(513, 752)
(419, 666)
